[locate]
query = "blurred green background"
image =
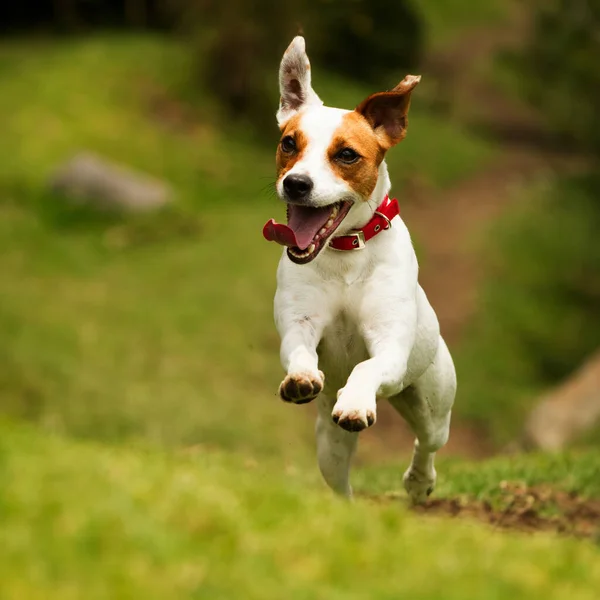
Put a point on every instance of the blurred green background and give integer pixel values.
(153, 333)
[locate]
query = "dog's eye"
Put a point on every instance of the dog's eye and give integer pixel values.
(288, 144)
(347, 155)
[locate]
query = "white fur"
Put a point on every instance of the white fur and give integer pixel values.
(360, 321)
(295, 66)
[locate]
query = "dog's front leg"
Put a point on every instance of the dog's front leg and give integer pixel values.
(300, 327)
(389, 336)
(299, 358)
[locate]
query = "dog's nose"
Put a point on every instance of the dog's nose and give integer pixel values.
(297, 187)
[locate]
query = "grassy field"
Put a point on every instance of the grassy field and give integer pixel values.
(154, 327)
(538, 316)
(158, 461)
(83, 520)
(576, 472)
(447, 20)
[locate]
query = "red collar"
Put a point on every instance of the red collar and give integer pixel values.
(381, 221)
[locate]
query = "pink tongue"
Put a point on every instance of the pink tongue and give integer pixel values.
(303, 224)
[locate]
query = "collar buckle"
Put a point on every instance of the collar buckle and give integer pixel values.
(358, 243)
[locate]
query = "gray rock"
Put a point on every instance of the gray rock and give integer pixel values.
(92, 180)
(568, 411)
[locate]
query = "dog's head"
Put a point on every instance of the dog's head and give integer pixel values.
(328, 159)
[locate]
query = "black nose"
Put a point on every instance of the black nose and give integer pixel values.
(297, 187)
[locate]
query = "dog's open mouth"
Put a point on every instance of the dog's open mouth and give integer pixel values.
(308, 229)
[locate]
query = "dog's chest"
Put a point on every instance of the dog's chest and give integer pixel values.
(341, 348)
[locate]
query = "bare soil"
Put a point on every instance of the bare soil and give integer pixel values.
(450, 227)
(522, 508)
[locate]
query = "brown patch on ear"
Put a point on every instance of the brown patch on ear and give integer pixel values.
(387, 112)
(286, 160)
(356, 133)
(295, 96)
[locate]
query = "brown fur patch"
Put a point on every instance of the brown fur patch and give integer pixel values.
(387, 112)
(356, 133)
(286, 160)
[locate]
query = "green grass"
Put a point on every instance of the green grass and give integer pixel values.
(153, 337)
(575, 472)
(158, 327)
(538, 320)
(447, 20)
(81, 520)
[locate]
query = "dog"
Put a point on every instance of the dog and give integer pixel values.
(355, 325)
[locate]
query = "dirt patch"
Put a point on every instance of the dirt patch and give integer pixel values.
(519, 507)
(449, 226)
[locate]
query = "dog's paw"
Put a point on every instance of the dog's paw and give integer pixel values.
(353, 416)
(301, 388)
(419, 485)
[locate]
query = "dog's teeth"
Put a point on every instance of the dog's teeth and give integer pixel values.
(322, 231)
(311, 249)
(301, 254)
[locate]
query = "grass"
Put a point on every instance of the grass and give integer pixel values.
(538, 318)
(157, 328)
(152, 337)
(128, 327)
(88, 520)
(574, 472)
(447, 20)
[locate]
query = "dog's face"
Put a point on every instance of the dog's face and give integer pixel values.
(328, 159)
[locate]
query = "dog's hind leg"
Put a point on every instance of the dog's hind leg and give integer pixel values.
(335, 448)
(426, 405)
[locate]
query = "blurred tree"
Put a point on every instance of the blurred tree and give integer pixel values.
(136, 12)
(75, 15)
(366, 39)
(238, 44)
(236, 48)
(540, 316)
(560, 63)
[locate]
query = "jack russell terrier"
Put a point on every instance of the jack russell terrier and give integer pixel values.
(355, 324)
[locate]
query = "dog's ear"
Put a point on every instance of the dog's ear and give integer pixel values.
(294, 81)
(387, 112)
